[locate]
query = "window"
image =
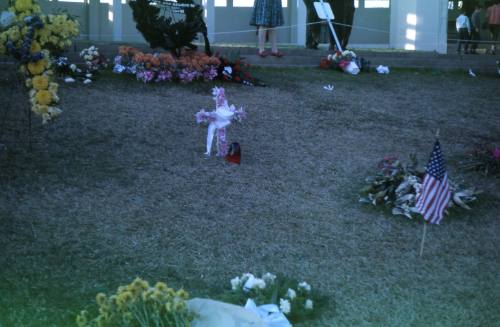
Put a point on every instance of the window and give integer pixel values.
(220, 3)
(377, 3)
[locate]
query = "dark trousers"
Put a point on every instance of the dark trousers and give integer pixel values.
(474, 37)
(463, 37)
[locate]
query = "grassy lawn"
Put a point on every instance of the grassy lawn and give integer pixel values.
(118, 187)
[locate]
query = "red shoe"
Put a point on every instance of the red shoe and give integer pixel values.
(277, 54)
(263, 54)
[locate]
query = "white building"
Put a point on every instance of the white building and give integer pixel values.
(400, 24)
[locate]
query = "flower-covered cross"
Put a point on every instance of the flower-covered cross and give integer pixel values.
(218, 120)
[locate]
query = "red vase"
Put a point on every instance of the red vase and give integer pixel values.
(234, 153)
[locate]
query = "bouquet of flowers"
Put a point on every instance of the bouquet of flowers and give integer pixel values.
(159, 67)
(398, 187)
(484, 158)
(237, 71)
(346, 61)
(294, 299)
(139, 304)
(71, 72)
(93, 60)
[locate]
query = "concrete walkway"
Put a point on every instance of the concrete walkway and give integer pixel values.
(393, 58)
(301, 57)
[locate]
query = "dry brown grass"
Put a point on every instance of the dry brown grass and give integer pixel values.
(118, 187)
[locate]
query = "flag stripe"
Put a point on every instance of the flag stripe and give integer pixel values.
(435, 193)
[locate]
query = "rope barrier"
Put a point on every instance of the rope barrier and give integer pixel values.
(354, 27)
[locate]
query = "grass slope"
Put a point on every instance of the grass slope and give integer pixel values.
(118, 187)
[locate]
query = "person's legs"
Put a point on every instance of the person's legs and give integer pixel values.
(273, 39)
(462, 39)
(475, 37)
(312, 31)
(262, 39)
(495, 31)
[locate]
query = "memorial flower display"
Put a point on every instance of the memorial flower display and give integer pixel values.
(30, 37)
(139, 304)
(397, 186)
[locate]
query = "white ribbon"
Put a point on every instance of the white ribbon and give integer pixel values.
(223, 116)
(382, 69)
(352, 68)
(269, 313)
(210, 313)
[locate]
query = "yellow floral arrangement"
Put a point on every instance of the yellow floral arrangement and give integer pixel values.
(139, 304)
(52, 35)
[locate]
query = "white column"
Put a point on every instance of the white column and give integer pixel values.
(419, 25)
(209, 16)
(301, 22)
(117, 20)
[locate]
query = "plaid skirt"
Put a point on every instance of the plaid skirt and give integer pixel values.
(267, 13)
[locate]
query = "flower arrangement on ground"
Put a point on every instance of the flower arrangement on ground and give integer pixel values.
(398, 187)
(29, 38)
(346, 61)
(485, 158)
(139, 304)
(160, 67)
(236, 70)
(93, 60)
(295, 300)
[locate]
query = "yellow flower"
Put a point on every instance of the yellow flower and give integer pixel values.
(182, 294)
(81, 319)
(35, 47)
(139, 285)
(40, 82)
(162, 287)
(181, 305)
(43, 97)
(14, 34)
(23, 5)
(124, 298)
(100, 299)
(36, 68)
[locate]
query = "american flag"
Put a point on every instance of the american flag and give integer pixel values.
(435, 193)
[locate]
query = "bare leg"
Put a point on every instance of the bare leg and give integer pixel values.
(262, 38)
(272, 38)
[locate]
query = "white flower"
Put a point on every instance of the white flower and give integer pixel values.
(235, 283)
(285, 306)
(291, 294)
(69, 80)
(305, 286)
(259, 283)
(246, 276)
(87, 81)
(268, 277)
(72, 67)
(88, 75)
(309, 304)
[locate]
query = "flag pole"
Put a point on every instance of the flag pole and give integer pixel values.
(424, 233)
(423, 239)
